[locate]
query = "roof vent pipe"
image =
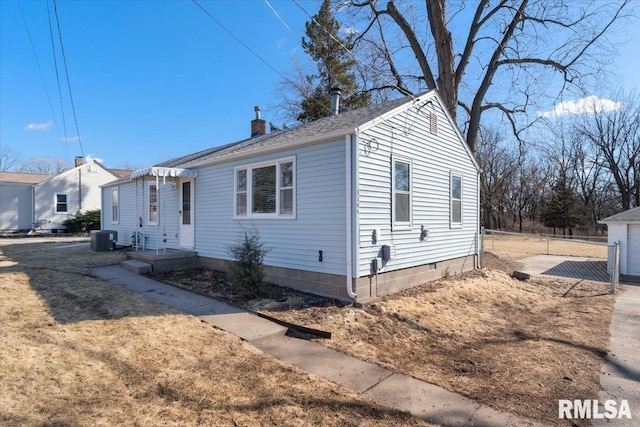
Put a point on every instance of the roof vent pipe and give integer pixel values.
(335, 101)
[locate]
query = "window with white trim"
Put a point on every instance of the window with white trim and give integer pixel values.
(265, 190)
(152, 204)
(114, 206)
(456, 199)
(401, 197)
(61, 203)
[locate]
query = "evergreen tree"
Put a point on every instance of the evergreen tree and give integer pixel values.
(335, 67)
(564, 209)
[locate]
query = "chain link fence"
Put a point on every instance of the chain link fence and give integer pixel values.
(521, 245)
(516, 246)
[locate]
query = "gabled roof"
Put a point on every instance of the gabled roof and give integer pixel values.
(343, 124)
(632, 215)
(23, 178)
(120, 173)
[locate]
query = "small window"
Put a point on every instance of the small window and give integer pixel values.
(286, 188)
(266, 190)
(186, 203)
(401, 193)
(153, 204)
(241, 192)
(456, 199)
(114, 206)
(61, 203)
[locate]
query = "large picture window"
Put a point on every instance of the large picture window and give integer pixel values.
(114, 206)
(401, 198)
(153, 204)
(61, 203)
(456, 199)
(265, 190)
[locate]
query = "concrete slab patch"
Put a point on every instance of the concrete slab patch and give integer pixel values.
(439, 406)
(337, 367)
(245, 325)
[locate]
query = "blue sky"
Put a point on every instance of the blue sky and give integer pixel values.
(152, 80)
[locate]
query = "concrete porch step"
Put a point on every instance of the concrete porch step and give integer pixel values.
(137, 267)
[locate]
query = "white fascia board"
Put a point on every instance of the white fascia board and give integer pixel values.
(247, 154)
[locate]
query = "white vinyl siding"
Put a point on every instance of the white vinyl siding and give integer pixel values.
(82, 188)
(16, 206)
(265, 190)
(115, 206)
(408, 136)
(318, 205)
(60, 203)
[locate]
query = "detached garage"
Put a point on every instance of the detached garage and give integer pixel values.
(625, 228)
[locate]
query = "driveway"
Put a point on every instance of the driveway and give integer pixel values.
(62, 239)
(567, 267)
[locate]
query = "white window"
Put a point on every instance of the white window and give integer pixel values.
(401, 197)
(265, 190)
(456, 199)
(114, 206)
(152, 199)
(61, 203)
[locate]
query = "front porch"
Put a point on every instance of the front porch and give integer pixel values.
(166, 260)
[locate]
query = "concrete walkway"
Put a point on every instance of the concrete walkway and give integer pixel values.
(620, 376)
(424, 400)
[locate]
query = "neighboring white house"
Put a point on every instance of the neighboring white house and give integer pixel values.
(43, 201)
(354, 206)
(16, 199)
(625, 228)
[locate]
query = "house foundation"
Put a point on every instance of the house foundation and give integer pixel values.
(368, 289)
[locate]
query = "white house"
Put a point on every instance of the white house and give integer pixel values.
(43, 201)
(16, 199)
(625, 228)
(354, 206)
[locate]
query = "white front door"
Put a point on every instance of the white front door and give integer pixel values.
(186, 213)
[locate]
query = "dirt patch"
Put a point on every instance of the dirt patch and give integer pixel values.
(491, 261)
(77, 350)
(516, 346)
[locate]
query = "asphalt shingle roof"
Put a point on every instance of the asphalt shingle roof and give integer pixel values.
(632, 215)
(23, 178)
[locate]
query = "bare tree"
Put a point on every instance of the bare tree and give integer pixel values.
(45, 166)
(501, 56)
(615, 136)
(499, 166)
(10, 159)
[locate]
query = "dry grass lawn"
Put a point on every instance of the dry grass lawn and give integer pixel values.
(77, 350)
(518, 247)
(516, 346)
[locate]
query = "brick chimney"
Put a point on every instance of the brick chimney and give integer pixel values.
(258, 126)
(79, 161)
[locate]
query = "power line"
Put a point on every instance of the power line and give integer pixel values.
(65, 147)
(238, 39)
(55, 65)
(66, 70)
(264, 61)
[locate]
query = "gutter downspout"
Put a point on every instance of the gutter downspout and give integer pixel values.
(349, 192)
(157, 212)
